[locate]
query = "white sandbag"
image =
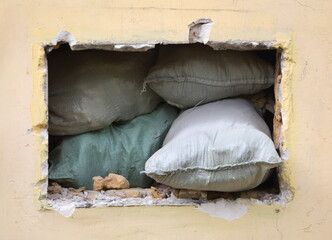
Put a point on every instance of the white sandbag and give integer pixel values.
(220, 146)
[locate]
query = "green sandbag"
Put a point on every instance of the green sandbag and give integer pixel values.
(119, 148)
(89, 90)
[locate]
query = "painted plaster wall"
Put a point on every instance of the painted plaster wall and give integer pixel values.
(303, 27)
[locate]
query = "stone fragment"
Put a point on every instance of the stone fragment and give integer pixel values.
(77, 192)
(55, 196)
(133, 192)
(92, 195)
(66, 194)
(154, 192)
(115, 181)
(190, 194)
(250, 194)
(112, 181)
(55, 188)
(98, 183)
(127, 193)
(115, 193)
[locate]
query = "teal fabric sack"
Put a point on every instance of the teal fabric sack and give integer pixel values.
(119, 148)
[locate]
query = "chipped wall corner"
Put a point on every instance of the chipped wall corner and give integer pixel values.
(199, 30)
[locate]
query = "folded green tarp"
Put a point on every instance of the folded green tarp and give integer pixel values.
(120, 148)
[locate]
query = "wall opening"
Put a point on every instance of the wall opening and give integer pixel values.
(66, 191)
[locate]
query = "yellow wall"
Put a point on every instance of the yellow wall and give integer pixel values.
(302, 27)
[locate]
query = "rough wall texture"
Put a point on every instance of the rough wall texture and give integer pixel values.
(302, 26)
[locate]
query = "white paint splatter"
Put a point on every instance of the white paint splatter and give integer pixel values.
(225, 209)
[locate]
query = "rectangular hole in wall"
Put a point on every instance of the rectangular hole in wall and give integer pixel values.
(62, 62)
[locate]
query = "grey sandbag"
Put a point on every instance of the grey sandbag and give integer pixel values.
(189, 75)
(120, 148)
(220, 146)
(89, 90)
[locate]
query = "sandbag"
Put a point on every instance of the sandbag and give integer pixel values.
(89, 90)
(221, 146)
(119, 148)
(190, 75)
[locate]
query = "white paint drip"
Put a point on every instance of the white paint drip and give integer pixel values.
(224, 209)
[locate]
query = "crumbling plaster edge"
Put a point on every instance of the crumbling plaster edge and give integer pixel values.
(39, 113)
(66, 37)
(216, 208)
(39, 108)
(285, 44)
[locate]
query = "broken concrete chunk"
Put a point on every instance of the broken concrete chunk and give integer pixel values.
(98, 183)
(112, 181)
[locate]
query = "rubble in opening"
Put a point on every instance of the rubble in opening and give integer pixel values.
(66, 199)
(158, 195)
